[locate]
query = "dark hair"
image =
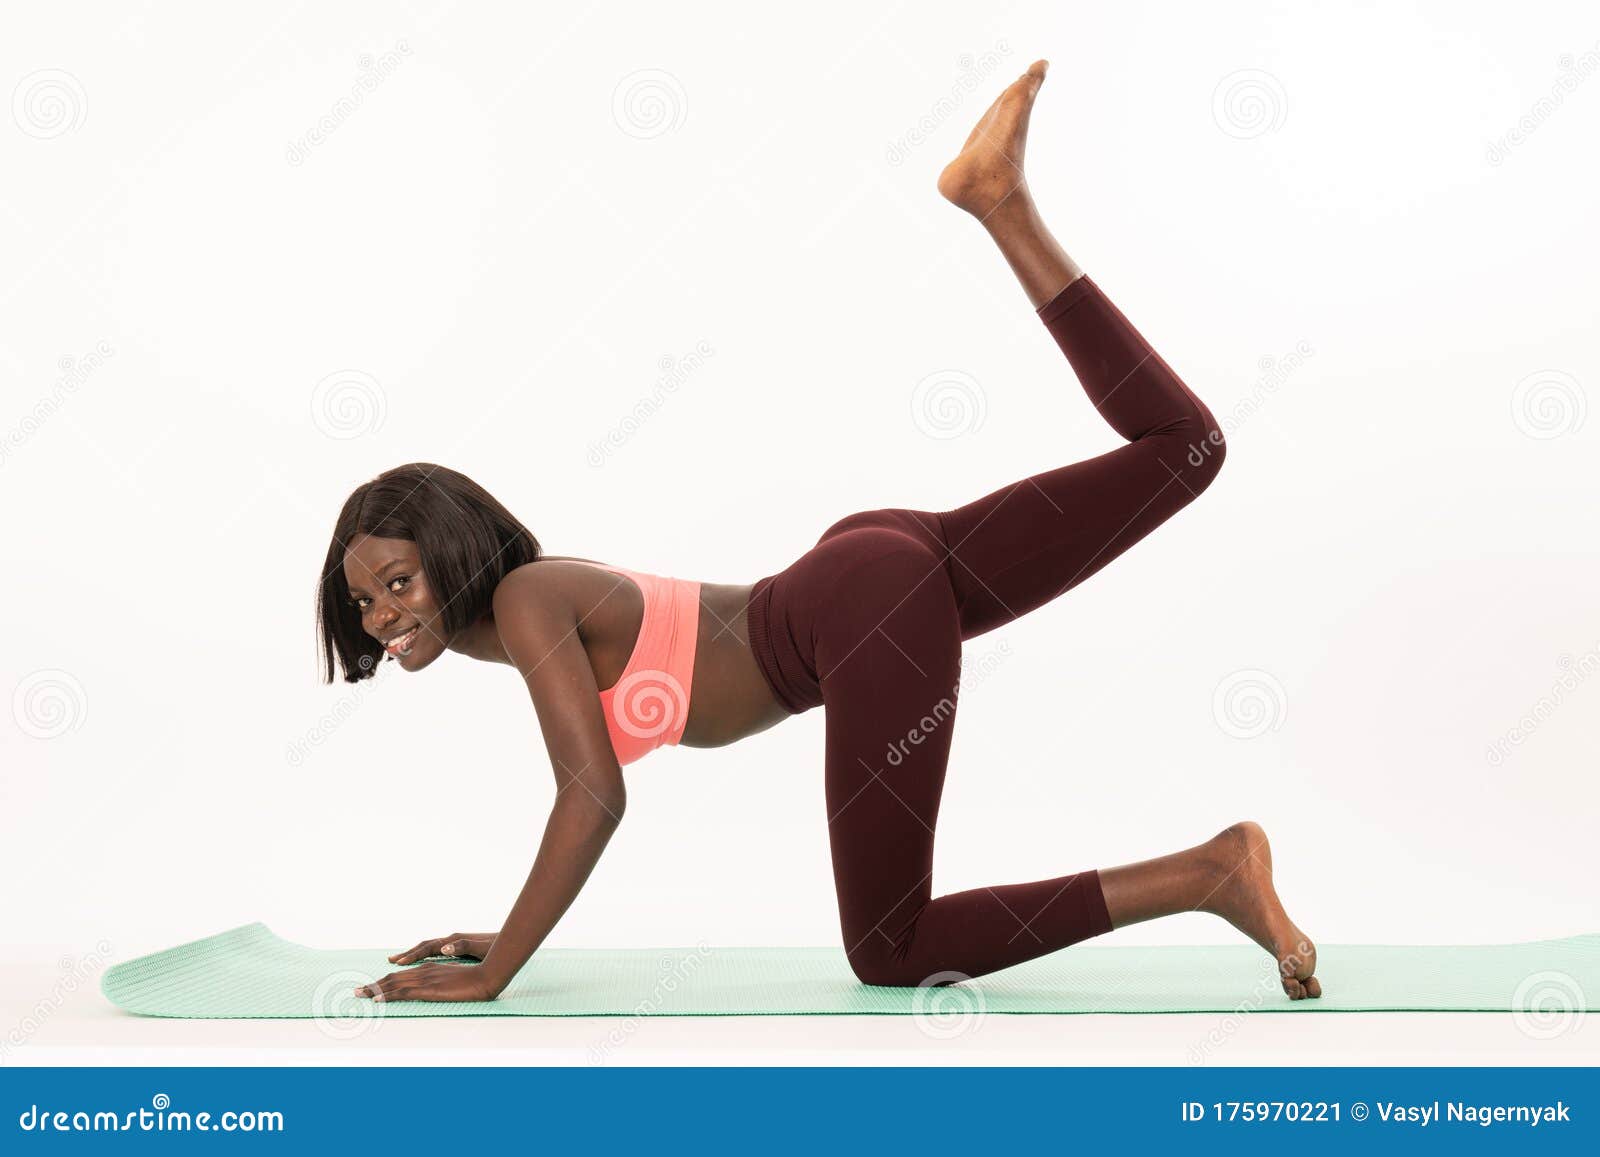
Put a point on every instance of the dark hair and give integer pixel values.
(467, 540)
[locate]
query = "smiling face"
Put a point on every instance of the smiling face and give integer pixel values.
(398, 607)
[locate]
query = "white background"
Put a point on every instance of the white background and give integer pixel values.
(512, 235)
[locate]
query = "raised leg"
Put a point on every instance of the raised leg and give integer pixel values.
(1022, 545)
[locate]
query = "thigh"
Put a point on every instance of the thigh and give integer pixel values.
(888, 650)
(1015, 549)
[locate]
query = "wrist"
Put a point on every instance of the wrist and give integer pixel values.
(498, 973)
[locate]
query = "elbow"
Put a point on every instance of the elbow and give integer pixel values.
(601, 809)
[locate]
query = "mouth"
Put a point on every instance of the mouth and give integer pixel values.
(401, 644)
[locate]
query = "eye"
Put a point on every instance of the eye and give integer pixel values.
(402, 579)
(359, 604)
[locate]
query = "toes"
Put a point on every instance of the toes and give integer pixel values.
(1293, 988)
(1313, 986)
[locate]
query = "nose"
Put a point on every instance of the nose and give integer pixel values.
(384, 615)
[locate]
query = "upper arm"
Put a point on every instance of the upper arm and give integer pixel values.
(540, 633)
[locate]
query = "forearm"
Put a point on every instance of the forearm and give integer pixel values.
(576, 834)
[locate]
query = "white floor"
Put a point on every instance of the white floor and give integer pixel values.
(79, 1027)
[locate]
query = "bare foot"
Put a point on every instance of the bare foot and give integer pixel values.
(1244, 896)
(988, 170)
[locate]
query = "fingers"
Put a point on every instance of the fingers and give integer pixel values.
(397, 985)
(426, 948)
(1296, 989)
(456, 944)
(473, 946)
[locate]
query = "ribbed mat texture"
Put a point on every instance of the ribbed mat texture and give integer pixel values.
(250, 972)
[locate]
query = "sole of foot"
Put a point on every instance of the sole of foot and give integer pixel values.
(988, 173)
(1244, 895)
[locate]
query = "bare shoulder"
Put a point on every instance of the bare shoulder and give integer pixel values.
(550, 595)
(532, 600)
(548, 579)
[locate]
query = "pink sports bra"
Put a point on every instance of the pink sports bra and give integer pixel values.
(649, 704)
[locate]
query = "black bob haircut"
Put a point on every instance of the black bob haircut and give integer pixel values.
(468, 542)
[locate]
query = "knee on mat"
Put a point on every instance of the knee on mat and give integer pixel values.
(881, 968)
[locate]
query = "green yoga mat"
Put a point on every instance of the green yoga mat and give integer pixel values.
(250, 972)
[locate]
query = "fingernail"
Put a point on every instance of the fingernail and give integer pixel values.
(449, 947)
(378, 997)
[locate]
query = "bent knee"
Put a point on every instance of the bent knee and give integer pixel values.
(883, 970)
(1195, 450)
(883, 965)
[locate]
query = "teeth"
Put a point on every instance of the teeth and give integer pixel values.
(402, 640)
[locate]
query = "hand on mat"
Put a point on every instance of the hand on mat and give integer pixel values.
(441, 982)
(473, 944)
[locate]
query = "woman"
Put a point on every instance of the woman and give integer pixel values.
(867, 624)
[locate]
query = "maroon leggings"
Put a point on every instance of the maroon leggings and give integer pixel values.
(869, 623)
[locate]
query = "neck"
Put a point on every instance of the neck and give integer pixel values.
(480, 641)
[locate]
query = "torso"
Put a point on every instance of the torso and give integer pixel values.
(729, 699)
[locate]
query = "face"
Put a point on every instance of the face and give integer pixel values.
(397, 606)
